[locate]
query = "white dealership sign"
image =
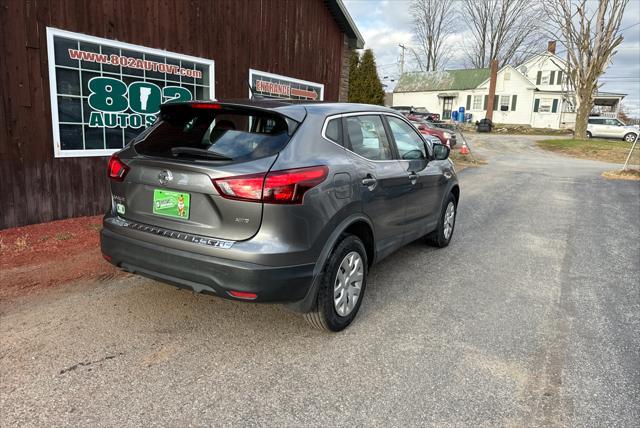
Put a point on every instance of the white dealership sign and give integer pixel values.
(104, 92)
(271, 85)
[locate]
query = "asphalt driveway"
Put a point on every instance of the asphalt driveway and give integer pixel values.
(530, 317)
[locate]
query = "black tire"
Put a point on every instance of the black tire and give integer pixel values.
(589, 134)
(630, 137)
(324, 315)
(437, 238)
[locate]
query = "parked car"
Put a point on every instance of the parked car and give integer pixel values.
(403, 109)
(417, 113)
(423, 113)
(605, 127)
(270, 201)
(446, 137)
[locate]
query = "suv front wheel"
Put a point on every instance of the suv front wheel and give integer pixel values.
(630, 137)
(342, 286)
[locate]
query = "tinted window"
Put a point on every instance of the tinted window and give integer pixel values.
(367, 137)
(408, 142)
(596, 121)
(334, 130)
(237, 135)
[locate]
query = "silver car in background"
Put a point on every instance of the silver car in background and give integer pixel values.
(604, 127)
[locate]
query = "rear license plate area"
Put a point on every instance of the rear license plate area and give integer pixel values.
(171, 204)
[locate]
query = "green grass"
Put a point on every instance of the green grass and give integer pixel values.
(465, 161)
(615, 151)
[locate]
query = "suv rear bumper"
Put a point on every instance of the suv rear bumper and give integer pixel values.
(207, 274)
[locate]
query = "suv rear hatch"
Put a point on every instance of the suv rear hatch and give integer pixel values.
(171, 174)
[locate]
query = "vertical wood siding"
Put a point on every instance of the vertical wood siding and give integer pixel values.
(297, 38)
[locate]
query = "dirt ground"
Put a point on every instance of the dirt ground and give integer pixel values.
(49, 254)
(627, 174)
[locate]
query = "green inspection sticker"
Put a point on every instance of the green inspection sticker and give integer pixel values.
(171, 204)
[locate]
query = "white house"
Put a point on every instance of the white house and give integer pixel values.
(534, 93)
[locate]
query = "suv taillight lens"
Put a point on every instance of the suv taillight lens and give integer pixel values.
(117, 168)
(243, 187)
(277, 187)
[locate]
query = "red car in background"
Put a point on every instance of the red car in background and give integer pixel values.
(447, 137)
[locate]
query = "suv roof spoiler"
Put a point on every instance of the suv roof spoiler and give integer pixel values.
(290, 111)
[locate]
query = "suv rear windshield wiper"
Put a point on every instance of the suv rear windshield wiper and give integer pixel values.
(203, 153)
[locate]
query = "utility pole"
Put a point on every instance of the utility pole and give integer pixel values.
(402, 58)
(492, 88)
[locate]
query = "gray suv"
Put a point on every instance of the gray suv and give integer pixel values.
(275, 201)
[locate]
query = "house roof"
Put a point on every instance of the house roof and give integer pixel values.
(512, 69)
(341, 15)
(540, 56)
(447, 80)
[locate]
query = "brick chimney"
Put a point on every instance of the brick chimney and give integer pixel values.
(551, 46)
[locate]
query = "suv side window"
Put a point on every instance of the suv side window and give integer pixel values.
(596, 121)
(333, 131)
(367, 137)
(410, 145)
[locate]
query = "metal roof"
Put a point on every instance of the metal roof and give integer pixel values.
(445, 80)
(345, 22)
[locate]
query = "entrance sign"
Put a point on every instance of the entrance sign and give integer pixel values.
(270, 85)
(104, 92)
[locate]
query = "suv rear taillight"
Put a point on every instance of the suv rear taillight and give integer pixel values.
(276, 187)
(117, 168)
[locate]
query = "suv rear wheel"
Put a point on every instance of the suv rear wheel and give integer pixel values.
(589, 134)
(342, 286)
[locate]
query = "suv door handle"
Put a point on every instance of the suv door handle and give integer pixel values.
(369, 181)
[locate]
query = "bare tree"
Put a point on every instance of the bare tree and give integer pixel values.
(433, 22)
(590, 33)
(506, 30)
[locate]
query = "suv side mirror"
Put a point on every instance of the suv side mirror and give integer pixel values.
(440, 151)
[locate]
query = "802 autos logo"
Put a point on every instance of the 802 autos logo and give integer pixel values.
(115, 104)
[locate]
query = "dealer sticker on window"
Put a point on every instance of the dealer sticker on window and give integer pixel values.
(171, 204)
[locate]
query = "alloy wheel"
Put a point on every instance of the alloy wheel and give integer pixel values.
(348, 284)
(449, 220)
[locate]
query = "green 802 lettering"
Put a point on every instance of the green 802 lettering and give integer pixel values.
(108, 94)
(112, 95)
(144, 97)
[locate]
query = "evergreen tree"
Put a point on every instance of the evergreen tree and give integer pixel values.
(367, 88)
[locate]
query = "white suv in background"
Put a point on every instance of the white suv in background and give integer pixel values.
(610, 128)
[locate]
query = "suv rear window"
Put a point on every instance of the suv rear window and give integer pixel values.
(215, 134)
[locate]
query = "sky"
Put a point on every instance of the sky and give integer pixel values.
(386, 23)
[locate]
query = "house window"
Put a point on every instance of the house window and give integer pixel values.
(545, 78)
(545, 105)
(477, 102)
(504, 102)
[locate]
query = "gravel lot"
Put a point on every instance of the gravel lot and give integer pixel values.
(530, 317)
